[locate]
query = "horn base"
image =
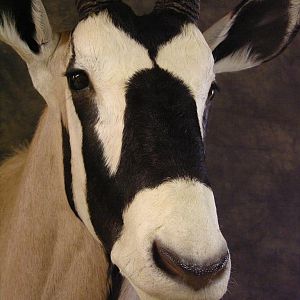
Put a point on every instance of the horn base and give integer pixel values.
(87, 7)
(189, 8)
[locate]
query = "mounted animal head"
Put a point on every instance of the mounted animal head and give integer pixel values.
(133, 94)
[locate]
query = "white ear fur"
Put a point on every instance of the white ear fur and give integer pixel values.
(43, 36)
(243, 57)
(9, 35)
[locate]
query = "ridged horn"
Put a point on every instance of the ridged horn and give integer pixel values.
(87, 7)
(189, 8)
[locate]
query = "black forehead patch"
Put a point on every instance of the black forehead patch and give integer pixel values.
(21, 13)
(152, 30)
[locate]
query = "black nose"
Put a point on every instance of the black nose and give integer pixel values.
(192, 274)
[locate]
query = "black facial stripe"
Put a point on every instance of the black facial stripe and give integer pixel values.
(113, 272)
(102, 197)
(104, 200)
(67, 169)
(20, 11)
(253, 26)
(151, 30)
(116, 282)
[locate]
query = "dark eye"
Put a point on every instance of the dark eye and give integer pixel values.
(78, 80)
(213, 89)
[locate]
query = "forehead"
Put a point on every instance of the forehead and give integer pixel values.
(106, 50)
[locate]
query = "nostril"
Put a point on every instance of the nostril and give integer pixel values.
(191, 273)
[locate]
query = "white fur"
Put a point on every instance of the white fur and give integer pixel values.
(44, 36)
(188, 57)
(182, 215)
(111, 58)
(9, 35)
(294, 20)
(237, 61)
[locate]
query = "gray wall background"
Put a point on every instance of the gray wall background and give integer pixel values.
(253, 148)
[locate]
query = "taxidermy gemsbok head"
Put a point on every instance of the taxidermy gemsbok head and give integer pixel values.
(133, 94)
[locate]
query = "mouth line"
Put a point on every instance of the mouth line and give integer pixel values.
(195, 276)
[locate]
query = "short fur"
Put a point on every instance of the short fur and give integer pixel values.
(130, 165)
(70, 264)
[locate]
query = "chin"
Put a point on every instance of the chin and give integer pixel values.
(165, 289)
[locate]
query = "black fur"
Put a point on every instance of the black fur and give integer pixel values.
(116, 282)
(151, 30)
(67, 169)
(254, 26)
(161, 138)
(20, 11)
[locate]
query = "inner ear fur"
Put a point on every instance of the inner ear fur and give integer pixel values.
(24, 25)
(256, 31)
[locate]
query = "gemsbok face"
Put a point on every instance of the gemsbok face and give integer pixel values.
(137, 88)
(133, 94)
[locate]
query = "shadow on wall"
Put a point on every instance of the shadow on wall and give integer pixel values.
(253, 149)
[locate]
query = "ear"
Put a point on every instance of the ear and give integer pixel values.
(255, 32)
(24, 26)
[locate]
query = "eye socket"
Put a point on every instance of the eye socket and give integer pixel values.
(212, 92)
(78, 80)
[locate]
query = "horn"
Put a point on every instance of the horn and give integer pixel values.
(188, 8)
(87, 7)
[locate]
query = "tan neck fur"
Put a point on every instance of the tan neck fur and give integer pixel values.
(45, 252)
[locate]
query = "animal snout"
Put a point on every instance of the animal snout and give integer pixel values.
(193, 274)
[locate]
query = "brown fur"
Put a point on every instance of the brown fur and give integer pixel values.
(45, 252)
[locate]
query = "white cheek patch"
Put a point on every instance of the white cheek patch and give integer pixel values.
(190, 59)
(180, 214)
(111, 58)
